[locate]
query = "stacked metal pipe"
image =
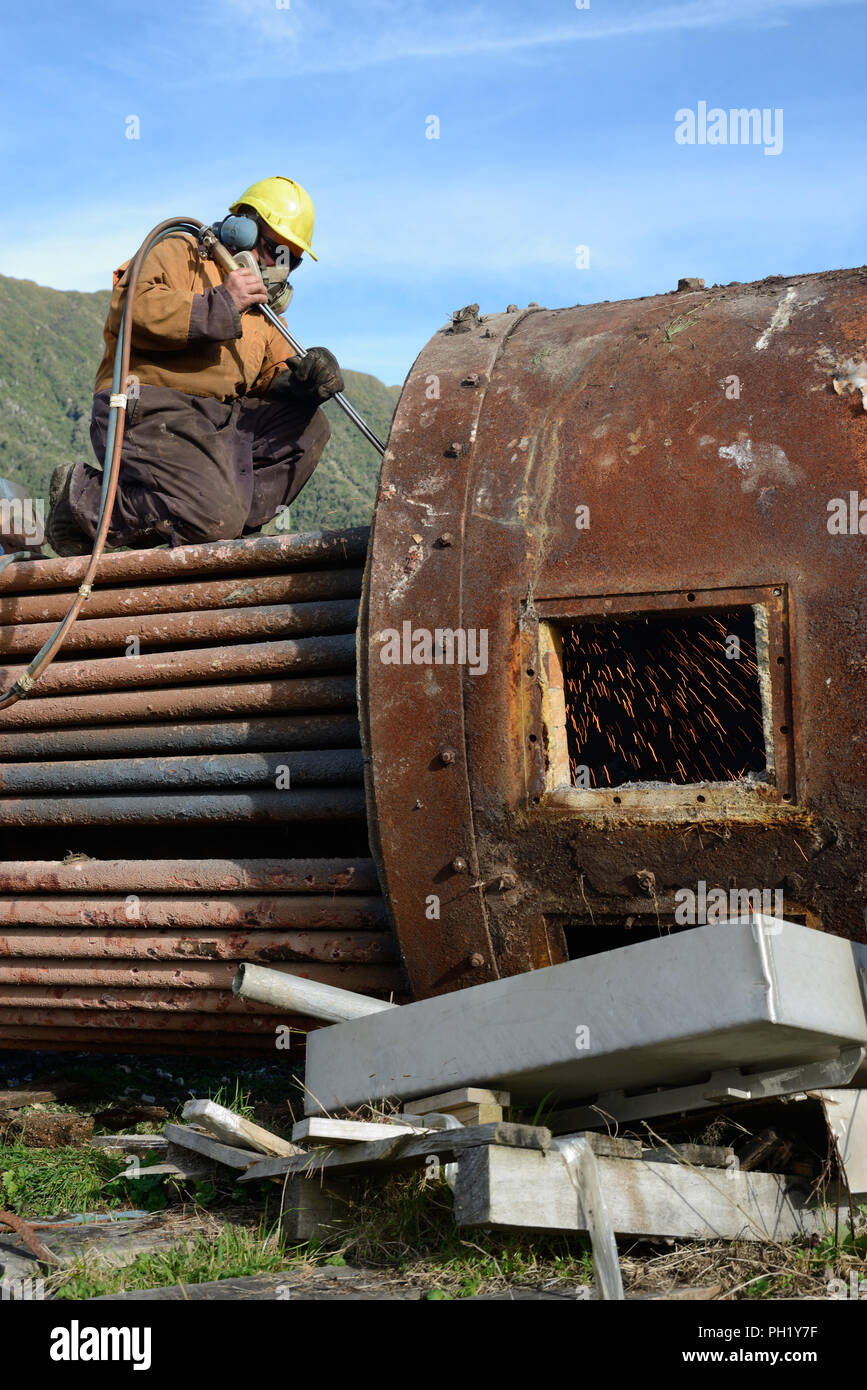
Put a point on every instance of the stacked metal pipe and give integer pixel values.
(205, 708)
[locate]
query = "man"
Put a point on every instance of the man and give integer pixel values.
(223, 425)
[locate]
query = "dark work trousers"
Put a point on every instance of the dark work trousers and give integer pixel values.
(194, 468)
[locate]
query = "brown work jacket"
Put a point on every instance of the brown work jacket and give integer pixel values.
(187, 333)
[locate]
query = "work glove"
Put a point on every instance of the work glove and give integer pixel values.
(314, 377)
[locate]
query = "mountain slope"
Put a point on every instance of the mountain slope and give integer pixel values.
(50, 346)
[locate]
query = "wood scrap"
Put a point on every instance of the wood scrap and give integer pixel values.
(321, 1129)
(472, 1105)
(234, 1130)
(403, 1151)
(61, 1091)
(212, 1148)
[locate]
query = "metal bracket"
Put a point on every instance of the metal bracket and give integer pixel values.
(723, 1087)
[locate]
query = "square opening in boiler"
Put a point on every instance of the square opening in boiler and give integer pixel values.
(664, 698)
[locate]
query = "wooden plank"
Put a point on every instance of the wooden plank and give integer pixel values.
(699, 1155)
(465, 1095)
(212, 1148)
(610, 1145)
(323, 1130)
(179, 1169)
(471, 1105)
(139, 1144)
(509, 1187)
(235, 1130)
(403, 1151)
(63, 1090)
(312, 1210)
(846, 1114)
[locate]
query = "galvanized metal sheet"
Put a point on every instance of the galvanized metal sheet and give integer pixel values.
(666, 1012)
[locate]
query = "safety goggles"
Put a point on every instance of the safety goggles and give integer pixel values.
(279, 250)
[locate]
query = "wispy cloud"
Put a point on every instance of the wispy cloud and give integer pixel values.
(379, 32)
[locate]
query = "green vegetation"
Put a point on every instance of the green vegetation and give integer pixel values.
(50, 347)
(398, 1228)
(232, 1253)
(406, 1223)
(46, 1183)
(49, 351)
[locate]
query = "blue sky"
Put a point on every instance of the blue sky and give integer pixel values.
(556, 130)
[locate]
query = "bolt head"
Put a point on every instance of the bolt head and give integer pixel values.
(477, 960)
(448, 755)
(459, 865)
(445, 540)
(454, 450)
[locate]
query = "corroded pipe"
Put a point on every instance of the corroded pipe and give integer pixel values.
(183, 667)
(223, 912)
(249, 808)
(269, 876)
(161, 1041)
(171, 629)
(84, 999)
(322, 692)
(333, 766)
(301, 587)
(50, 974)
(311, 549)
(60, 946)
(304, 731)
(120, 1012)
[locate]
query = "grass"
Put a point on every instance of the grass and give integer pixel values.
(406, 1224)
(237, 1101)
(403, 1227)
(54, 1182)
(230, 1253)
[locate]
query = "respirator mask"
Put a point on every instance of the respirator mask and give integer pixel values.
(241, 235)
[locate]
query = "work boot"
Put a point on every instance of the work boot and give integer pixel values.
(62, 531)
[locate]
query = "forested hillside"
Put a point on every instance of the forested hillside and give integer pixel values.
(50, 346)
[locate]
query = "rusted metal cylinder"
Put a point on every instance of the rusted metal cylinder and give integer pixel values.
(121, 1013)
(172, 629)
(304, 731)
(195, 596)
(251, 697)
(316, 549)
(184, 667)
(255, 807)
(587, 480)
(241, 713)
(225, 911)
(287, 770)
(26, 944)
(268, 876)
(181, 975)
(84, 999)
(55, 1038)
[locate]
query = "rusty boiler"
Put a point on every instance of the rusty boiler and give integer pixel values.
(640, 529)
(597, 674)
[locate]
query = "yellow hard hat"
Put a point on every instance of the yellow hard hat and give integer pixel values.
(285, 206)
